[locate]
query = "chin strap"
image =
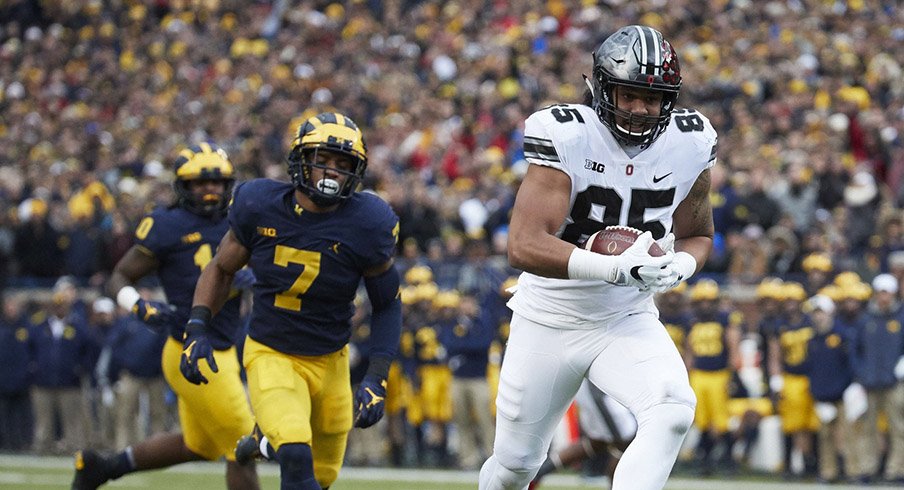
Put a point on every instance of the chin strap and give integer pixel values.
(587, 82)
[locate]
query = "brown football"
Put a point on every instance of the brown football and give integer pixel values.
(614, 240)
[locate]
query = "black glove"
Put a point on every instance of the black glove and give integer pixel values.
(154, 313)
(369, 401)
(196, 346)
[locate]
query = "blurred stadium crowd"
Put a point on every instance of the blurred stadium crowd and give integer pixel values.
(96, 98)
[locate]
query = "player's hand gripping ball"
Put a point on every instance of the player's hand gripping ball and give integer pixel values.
(614, 240)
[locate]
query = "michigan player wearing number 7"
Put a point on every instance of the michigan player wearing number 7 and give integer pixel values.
(624, 157)
(310, 243)
(176, 243)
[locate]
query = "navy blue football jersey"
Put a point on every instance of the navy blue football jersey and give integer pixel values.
(308, 265)
(706, 339)
(183, 243)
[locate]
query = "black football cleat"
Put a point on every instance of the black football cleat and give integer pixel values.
(248, 448)
(91, 470)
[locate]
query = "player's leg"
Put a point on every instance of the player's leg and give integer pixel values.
(331, 418)
(642, 370)
(281, 398)
(535, 388)
(212, 418)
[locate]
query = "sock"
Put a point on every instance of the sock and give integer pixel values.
(705, 445)
(296, 467)
(789, 448)
(123, 463)
(727, 440)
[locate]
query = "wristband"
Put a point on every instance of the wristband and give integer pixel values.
(127, 297)
(685, 264)
(584, 264)
(379, 366)
(200, 314)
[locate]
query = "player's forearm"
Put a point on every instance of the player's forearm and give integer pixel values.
(212, 289)
(116, 282)
(385, 320)
(547, 256)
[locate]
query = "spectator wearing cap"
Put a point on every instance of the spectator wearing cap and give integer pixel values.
(830, 373)
(818, 269)
(128, 369)
(876, 350)
(15, 406)
(98, 414)
(60, 351)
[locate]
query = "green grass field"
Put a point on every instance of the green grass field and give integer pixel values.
(34, 473)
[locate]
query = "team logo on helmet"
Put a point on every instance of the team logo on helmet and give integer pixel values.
(330, 132)
(204, 161)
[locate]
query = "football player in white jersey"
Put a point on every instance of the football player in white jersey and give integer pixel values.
(625, 157)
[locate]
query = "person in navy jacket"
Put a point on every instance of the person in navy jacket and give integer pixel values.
(60, 350)
(830, 373)
(15, 406)
(467, 332)
(876, 352)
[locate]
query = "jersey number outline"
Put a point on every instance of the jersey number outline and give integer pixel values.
(583, 226)
(290, 299)
(565, 114)
(688, 121)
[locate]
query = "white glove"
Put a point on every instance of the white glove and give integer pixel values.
(826, 412)
(776, 383)
(899, 369)
(621, 270)
(682, 266)
(855, 402)
(667, 243)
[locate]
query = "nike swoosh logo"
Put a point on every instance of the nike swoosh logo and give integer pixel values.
(656, 179)
(635, 273)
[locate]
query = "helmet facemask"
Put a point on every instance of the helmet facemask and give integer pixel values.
(198, 163)
(635, 57)
(335, 134)
(325, 191)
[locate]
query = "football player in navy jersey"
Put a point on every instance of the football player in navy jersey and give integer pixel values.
(628, 157)
(310, 243)
(177, 243)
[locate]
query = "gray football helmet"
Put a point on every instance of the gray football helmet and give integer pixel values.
(635, 56)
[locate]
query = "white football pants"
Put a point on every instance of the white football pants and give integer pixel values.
(631, 359)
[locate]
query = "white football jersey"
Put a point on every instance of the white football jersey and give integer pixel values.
(608, 187)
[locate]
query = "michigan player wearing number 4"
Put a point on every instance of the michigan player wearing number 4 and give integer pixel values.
(177, 242)
(624, 157)
(310, 243)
